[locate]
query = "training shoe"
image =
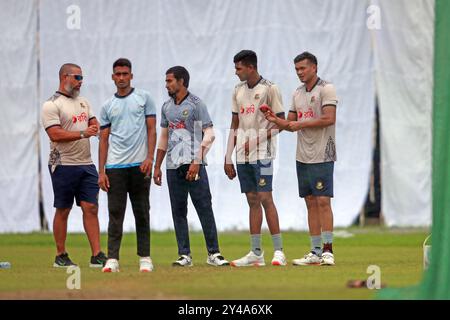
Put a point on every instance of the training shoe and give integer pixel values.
(310, 259)
(145, 264)
(216, 259)
(279, 259)
(251, 259)
(63, 261)
(183, 261)
(98, 261)
(327, 259)
(112, 265)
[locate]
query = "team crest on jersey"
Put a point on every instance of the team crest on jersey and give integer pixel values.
(313, 98)
(319, 185)
(257, 96)
(185, 113)
(82, 105)
(262, 182)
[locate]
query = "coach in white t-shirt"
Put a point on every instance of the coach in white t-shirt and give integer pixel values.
(313, 116)
(69, 122)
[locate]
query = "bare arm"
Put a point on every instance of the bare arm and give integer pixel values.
(281, 123)
(327, 118)
(103, 147)
(272, 131)
(160, 154)
(232, 138)
(146, 166)
(58, 134)
(228, 166)
(194, 168)
(208, 139)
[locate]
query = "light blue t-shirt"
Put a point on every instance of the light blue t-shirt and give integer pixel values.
(126, 116)
(186, 122)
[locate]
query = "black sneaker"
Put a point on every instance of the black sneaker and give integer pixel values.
(98, 261)
(63, 261)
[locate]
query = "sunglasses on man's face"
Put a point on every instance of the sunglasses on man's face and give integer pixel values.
(77, 77)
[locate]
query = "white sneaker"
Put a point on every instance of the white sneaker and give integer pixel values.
(279, 259)
(251, 259)
(309, 259)
(183, 261)
(112, 265)
(327, 259)
(145, 264)
(217, 260)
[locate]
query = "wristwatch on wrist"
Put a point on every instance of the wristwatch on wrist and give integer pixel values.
(82, 134)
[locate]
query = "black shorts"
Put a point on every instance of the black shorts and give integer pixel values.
(79, 182)
(315, 179)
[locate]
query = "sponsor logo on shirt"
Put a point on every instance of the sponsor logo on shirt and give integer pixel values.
(248, 110)
(80, 118)
(178, 125)
(305, 115)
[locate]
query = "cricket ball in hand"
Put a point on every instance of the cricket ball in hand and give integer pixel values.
(264, 108)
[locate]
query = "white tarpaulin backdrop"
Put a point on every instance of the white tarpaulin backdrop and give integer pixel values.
(203, 36)
(404, 64)
(19, 178)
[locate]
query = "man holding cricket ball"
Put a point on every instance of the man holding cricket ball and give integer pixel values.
(252, 134)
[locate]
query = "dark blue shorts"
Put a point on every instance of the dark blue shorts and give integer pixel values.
(255, 177)
(315, 179)
(79, 182)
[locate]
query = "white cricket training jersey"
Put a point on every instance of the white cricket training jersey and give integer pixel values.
(252, 123)
(314, 145)
(72, 114)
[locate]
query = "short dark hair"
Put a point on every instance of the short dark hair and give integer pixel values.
(180, 72)
(247, 58)
(122, 62)
(65, 68)
(306, 55)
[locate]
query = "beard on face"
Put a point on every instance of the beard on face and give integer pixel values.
(172, 94)
(73, 92)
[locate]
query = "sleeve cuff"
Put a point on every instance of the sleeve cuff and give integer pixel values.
(207, 125)
(53, 125)
(329, 102)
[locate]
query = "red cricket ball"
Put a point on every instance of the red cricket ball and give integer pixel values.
(264, 108)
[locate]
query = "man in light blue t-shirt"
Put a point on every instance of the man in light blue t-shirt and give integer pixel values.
(186, 136)
(127, 145)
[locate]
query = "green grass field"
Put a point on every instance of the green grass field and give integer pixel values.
(397, 252)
